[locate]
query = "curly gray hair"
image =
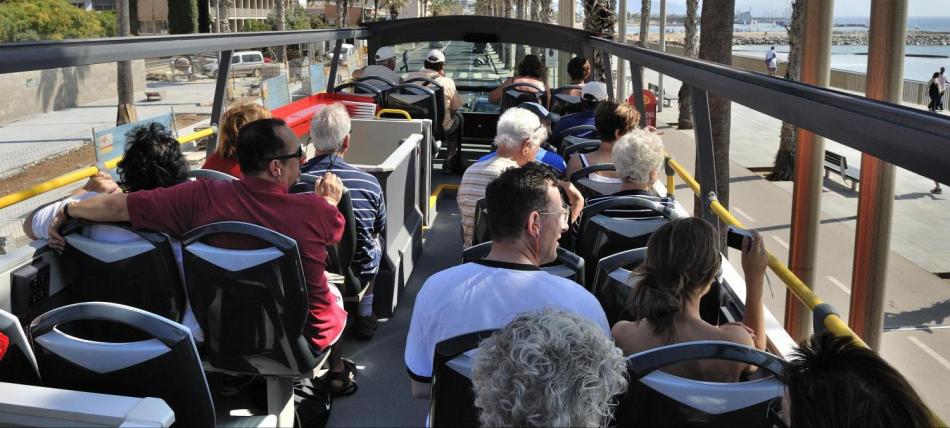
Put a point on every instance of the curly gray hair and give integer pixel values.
(548, 368)
(637, 154)
(516, 125)
(329, 127)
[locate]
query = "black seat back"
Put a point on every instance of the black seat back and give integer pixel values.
(251, 304)
(562, 102)
(420, 102)
(589, 133)
(611, 286)
(480, 231)
(372, 93)
(210, 174)
(453, 400)
(591, 188)
(339, 256)
(655, 398)
(141, 273)
(567, 264)
(517, 93)
(569, 141)
(18, 365)
(165, 364)
(580, 147)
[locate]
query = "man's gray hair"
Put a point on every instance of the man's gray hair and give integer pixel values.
(329, 127)
(517, 125)
(548, 368)
(637, 154)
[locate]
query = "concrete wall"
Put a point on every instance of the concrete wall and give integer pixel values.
(43, 91)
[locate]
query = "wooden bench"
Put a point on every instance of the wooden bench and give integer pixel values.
(839, 165)
(154, 96)
(667, 99)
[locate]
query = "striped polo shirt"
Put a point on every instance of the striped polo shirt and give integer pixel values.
(369, 210)
(472, 188)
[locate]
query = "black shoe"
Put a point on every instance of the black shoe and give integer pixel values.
(366, 326)
(936, 190)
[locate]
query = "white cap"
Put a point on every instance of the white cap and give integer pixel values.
(384, 53)
(435, 55)
(595, 90)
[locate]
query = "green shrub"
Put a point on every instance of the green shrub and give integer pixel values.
(182, 16)
(28, 20)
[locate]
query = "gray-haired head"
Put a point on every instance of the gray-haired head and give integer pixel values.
(517, 125)
(329, 127)
(638, 154)
(548, 368)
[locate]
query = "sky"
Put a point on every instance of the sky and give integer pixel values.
(917, 8)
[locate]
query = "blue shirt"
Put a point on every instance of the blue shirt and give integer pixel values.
(585, 117)
(551, 159)
(369, 210)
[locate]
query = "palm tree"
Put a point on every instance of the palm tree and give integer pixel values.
(689, 50)
(784, 168)
(224, 15)
(599, 17)
(280, 15)
(342, 15)
(715, 44)
(644, 23)
(395, 6)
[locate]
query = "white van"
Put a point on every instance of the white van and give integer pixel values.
(247, 63)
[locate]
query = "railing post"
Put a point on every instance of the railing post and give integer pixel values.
(636, 78)
(335, 65)
(608, 73)
(809, 158)
(220, 94)
(622, 38)
(876, 200)
(705, 159)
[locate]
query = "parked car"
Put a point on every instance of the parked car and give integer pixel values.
(345, 51)
(247, 63)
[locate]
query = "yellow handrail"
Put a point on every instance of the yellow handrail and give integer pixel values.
(82, 173)
(394, 111)
(832, 322)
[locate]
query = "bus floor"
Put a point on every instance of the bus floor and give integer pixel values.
(384, 397)
(917, 308)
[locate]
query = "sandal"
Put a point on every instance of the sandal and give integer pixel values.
(347, 386)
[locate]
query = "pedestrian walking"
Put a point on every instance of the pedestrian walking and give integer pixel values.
(942, 83)
(771, 61)
(933, 89)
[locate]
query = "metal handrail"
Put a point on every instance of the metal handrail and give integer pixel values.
(831, 321)
(82, 173)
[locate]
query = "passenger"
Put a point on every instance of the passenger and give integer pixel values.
(152, 160)
(330, 134)
(612, 121)
(638, 157)
(527, 219)
(385, 67)
(269, 156)
(434, 68)
(544, 156)
(518, 138)
(591, 97)
(531, 70)
(831, 381)
(233, 119)
(578, 68)
(681, 264)
(548, 369)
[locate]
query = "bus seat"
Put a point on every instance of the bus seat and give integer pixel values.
(165, 365)
(571, 140)
(578, 147)
(252, 306)
(591, 188)
(363, 89)
(480, 231)
(567, 264)
(516, 93)
(562, 102)
(141, 272)
(452, 403)
(422, 102)
(18, 364)
(610, 285)
(657, 398)
(435, 87)
(379, 82)
(340, 256)
(210, 174)
(587, 132)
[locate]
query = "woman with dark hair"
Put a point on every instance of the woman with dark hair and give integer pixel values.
(530, 70)
(833, 382)
(933, 89)
(681, 264)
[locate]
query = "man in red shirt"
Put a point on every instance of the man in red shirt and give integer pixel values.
(269, 155)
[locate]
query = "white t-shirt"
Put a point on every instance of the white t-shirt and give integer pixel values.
(486, 295)
(43, 217)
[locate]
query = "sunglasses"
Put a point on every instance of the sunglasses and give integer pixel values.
(298, 154)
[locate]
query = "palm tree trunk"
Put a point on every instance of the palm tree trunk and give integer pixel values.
(599, 17)
(689, 46)
(224, 15)
(784, 167)
(520, 14)
(644, 23)
(280, 12)
(715, 44)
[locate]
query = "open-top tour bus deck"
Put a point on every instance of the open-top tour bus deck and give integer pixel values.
(421, 236)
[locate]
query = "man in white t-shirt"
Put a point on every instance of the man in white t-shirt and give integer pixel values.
(526, 221)
(385, 67)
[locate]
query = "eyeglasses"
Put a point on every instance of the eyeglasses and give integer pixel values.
(298, 154)
(564, 213)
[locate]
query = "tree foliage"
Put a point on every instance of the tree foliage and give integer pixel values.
(297, 19)
(182, 16)
(28, 20)
(445, 7)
